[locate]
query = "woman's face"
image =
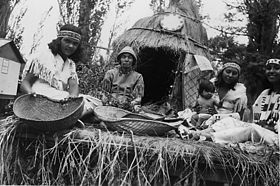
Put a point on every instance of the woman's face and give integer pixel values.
(69, 46)
(230, 75)
(272, 72)
(126, 60)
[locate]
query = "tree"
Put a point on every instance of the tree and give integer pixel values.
(158, 5)
(262, 17)
(120, 6)
(224, 47)
(262, 28)
(6, 8)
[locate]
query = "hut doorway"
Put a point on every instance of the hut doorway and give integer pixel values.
(158, 68)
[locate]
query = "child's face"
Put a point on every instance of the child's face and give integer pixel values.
(206, 94)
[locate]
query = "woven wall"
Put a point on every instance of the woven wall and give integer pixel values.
(191, 76)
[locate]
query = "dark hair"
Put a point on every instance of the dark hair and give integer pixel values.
(220, 81)
(206, 85)
(55, 45)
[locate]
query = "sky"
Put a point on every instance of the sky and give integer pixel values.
(139, 9)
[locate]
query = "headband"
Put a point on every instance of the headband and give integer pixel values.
(233, 65)
(273, 61)
(71, 34)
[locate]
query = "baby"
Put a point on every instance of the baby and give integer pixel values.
(205, 103)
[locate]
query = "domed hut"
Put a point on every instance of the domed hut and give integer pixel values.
(171, 53)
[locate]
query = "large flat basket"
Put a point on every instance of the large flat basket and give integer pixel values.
(116, 119)
(45, 114)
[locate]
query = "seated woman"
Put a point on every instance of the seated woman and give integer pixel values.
(52, 73)
(124, 87)
(232, 94)
(265, 114)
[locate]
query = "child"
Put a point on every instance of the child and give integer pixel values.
(205, 103)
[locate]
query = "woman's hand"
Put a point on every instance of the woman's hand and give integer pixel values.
(26, 85)
(73, 88)
(241, 104)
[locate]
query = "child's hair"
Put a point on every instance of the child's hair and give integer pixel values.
(206, 85)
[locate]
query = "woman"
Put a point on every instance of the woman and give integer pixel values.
(265, 116)
(53, 72)
(124, 86)
(232, 94)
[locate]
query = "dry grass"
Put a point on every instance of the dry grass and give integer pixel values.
(148, 33)
(94, 157)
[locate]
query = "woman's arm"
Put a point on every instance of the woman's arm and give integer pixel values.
(241, 102)
(27, 82)
(73, 87)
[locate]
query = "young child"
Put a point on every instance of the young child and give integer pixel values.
(205, 103)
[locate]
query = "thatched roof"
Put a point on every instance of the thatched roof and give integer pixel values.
(147, 32)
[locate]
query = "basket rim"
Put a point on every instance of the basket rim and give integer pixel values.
(53, 120)
(99, 107)
(127, 119)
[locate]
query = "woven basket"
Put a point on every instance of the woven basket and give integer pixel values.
(116, 119)
(45, 114)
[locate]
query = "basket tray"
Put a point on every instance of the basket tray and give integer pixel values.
(46, 114)
(117, 119)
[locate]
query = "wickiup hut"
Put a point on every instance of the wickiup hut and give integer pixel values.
(172, 53)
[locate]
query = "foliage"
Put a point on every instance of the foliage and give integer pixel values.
(15, 30)
(6, 8)
(224, 47)
(262, 27)
(120, 8)
(90, 77)
(158, 5)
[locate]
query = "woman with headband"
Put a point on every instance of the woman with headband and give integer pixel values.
(267, 106)
(265, 124)
(232, 94)
(52, 73)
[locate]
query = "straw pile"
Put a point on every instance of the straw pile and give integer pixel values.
(93, 157)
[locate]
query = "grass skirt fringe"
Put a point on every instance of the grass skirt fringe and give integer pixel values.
(94, 157)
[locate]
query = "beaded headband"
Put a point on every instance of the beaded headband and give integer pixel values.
(233, 65)
(71, 34)
(273, 61)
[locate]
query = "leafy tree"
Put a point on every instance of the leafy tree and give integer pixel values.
(120, 6)
(6, 8)
(262, 27)
(225, 47)
(158, 5)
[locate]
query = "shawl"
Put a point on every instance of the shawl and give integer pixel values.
(52, 69)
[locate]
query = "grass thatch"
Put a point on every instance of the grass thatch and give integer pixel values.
(94, 157)
(148, 33)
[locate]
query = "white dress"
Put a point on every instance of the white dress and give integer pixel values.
(53, 74)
